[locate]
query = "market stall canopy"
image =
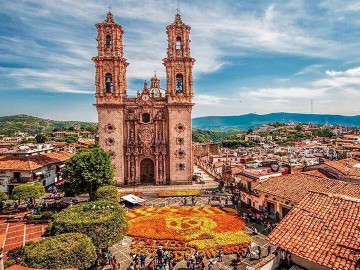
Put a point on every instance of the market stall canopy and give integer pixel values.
(132, 199)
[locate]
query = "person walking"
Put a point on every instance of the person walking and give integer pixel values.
(268, 250)
(142, 260)
(220, 255)
(259, 252)
(248, 251)
(109, 256)
(114, 263)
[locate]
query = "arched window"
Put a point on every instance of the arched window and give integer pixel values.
(108, 41)
(109, 83)
(179, 83)
(178, 45)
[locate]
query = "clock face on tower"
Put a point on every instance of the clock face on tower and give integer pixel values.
(145, 97)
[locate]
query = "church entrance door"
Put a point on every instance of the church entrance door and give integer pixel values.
(147, 171)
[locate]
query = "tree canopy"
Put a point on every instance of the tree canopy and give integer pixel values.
(40, 138)
(69, 250)
(28, 191)
(88, 170)
(108, 193)
(103, 221)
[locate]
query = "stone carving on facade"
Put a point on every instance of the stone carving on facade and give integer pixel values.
(132, 168)
(161, 176)
(110, 128)
(180, 141)
(110, 141)
(159, 115)
(180, 128)
(131, 135)
(180, 153)
(180, 166)
(146, 134)
(130, 115)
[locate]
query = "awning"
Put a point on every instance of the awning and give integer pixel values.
(62, 166)
(39, 173)
(60, 182)
(132, 199)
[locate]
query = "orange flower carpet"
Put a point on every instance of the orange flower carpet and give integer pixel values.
(179, 193)
(180, 229)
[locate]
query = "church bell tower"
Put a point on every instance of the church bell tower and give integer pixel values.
(110, 84)
(179, 94)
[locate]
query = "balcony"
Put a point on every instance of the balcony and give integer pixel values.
(249, 191)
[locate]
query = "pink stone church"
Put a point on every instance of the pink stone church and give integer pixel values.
(148, 136)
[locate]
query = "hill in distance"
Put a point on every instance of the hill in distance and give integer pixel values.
(34, 125)
(250, 121)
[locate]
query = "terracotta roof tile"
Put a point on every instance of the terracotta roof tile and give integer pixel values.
(322, 228)
(294, 187)
(30, 163)
(345, 166)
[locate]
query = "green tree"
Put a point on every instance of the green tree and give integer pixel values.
(92, 128)
(88, 170)
(299, 127)
(108, 193)
(71, 139)
(103, 221)
(3, 197)
(28, 191)
(40, 138)
(69, 250)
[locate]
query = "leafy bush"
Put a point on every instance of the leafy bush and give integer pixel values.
(3, 196)
(15, 253)
(34, 217)
(28, 191)
(9, 263)
(108, 193)
(70, 250)
(103, 221)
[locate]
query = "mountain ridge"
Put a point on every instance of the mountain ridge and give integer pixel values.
(35, 125)
(252, 120)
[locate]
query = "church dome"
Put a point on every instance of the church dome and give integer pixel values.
(155, 90)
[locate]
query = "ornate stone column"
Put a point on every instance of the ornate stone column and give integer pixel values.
(156, 169)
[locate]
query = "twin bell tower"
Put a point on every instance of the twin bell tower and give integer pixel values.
(148, 136)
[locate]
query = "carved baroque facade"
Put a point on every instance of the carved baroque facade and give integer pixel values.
(148, 136)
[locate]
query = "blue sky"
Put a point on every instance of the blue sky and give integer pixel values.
(251, 56)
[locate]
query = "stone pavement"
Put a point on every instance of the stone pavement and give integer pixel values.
(122, 250)
(17, 232)
(153, 189)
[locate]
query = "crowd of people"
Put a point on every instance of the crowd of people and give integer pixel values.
(163, 260)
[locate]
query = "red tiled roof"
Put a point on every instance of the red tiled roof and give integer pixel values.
(315, 173)
(294, 187)
(30, 163)
(345, 166)
(322, 228)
